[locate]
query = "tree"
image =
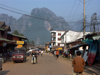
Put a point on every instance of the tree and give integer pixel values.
(28, 41)
(32, 42)
(15, 32)
(21, 34)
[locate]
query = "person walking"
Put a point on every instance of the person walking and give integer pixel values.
(78, 64)
(57, 53)
(42, 53)
(34, 53)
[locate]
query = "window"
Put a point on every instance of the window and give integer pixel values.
(58, 44)
(59, 34)
(2, 33)
(59, 39)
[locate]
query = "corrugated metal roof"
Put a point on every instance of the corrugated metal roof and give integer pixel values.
(78, 45)
(4, 39)
(17, 36)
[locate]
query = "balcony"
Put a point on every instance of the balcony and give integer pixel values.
(54, 35)
(53, 41)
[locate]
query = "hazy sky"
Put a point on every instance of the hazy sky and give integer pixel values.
(71, 10)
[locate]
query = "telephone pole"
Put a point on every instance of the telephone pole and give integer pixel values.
(94, 24)
(84, 18)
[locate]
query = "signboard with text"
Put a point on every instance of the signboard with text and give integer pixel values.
(20, 42)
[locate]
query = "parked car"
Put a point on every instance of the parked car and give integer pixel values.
(19, 54)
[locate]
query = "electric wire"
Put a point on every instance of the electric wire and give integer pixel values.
(30, 15)
(86, 7)
(82, 14)
(71, 11)
(76, 11)
(14, 8)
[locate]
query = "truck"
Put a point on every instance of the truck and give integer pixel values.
(19, 55)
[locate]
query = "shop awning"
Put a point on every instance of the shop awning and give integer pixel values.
(78, 45)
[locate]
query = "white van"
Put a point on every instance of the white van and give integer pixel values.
(0, 63)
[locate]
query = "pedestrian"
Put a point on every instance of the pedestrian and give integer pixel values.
(41, 52)
(35, 54)
(78, 64)
(54, 53)
(57, 53)
(70, 56)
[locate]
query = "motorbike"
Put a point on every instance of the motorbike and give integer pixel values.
(33, 59)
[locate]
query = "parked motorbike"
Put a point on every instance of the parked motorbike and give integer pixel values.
(33, 59)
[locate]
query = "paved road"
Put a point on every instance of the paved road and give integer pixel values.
(47, 65)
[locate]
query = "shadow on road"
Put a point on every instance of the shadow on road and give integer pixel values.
(4, 72)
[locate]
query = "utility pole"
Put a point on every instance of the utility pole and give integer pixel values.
(65, 42)
(84, 22)
(94, 24)
(84, 18)
(65, 39)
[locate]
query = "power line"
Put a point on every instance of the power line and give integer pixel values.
(76, 10)
(13, 8)
(86, 7)
(12, 11)
(88, 4)
(30, 15)
(71, 10)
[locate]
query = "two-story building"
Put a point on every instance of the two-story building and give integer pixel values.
(14, 38)
(55, 37)
(7, 40)
(3, 34)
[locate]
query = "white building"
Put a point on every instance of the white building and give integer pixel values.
(70, 36)
(56, 38)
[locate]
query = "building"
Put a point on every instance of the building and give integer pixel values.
(3, 35)
(70, 36)
(55, 38)
(14, 38)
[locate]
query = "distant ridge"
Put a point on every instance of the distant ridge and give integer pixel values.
(36, 28)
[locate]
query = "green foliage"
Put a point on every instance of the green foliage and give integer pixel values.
(32, 42)
(28, 41)
(21, 34)
(17, 33)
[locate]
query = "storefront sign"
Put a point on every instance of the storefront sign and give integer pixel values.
(19, 46)
(20, 42)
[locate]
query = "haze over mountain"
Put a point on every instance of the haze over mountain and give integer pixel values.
(37, 25)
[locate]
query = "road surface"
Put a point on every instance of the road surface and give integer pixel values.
(47, 65)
